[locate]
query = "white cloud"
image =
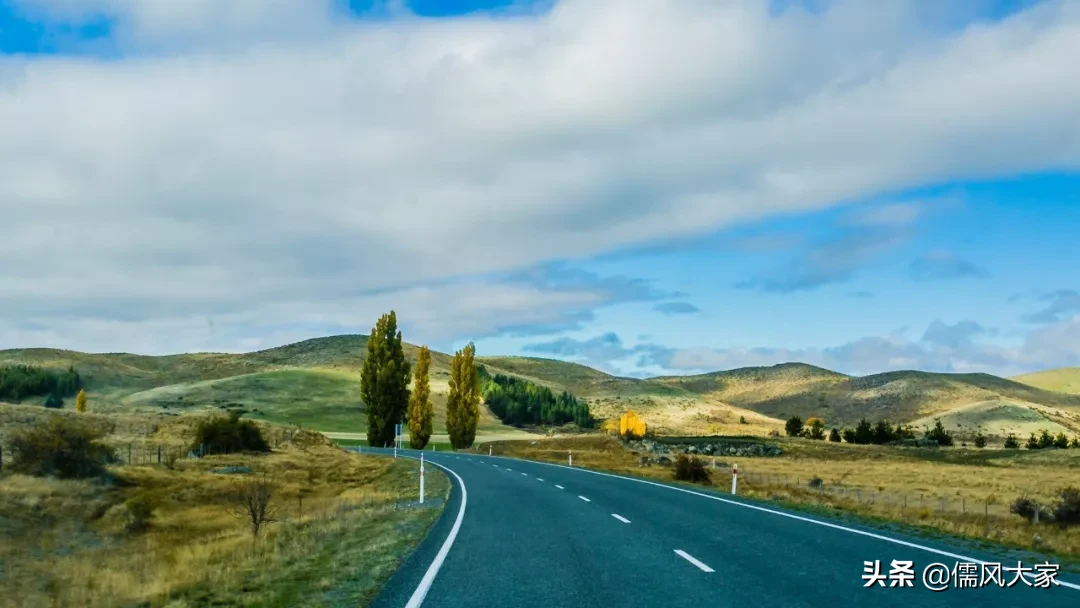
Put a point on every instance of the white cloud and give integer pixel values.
(243, 158)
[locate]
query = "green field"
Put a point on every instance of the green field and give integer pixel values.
(1064, 380)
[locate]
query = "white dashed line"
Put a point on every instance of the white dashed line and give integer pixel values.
(539, 479)
(620, 518)
(525, 474)
(585, 499)
(560, 487)
(693, 560)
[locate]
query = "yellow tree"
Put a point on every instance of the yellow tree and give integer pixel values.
(421, 414)
(631, 426)
(80, 401)
(463, 400)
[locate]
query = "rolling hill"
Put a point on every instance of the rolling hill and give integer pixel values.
(316, 383)
(1064, 380)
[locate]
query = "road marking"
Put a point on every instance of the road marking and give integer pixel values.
(429, 577)
(560, 487)
(495, 465)
(693, 560)
(808, 520)
(539, 479)
(525, 474)
(620, 518)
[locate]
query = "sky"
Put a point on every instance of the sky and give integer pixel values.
(656, 187)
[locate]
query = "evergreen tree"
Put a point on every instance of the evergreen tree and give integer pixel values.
(54, 401)
(420, 412)
(463, 401)
(384, 381)
(980, 440)
(1046, 440)
(834, 436)
(1061, 441)
(80, 401)
(1011, 443)
(1032, 442)
(849, 435)
(794, 426)
(817, 429)
(939, 434)
(883, 433)
(1075, 443)
(864, 433)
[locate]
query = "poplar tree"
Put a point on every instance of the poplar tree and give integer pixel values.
(420, 412)
(463, 402)
(80, 401)
(384, 381)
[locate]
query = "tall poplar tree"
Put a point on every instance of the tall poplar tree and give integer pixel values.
(80, 401)
(420, 413)
(384, 381)
(463, 402)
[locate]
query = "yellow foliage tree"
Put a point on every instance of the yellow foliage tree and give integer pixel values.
(611, 426)
(80, 401)
(631, 426)
(814, 421)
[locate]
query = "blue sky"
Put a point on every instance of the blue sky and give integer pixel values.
(860, 188)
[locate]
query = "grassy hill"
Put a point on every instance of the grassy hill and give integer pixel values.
(316, 383)
(1064, 380)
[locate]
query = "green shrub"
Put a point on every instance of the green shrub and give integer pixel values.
(61, 448)
(980, 440)
(137, 512)
(219, 435)
(1046, 440)
(848, 435)
(742, 419)
(54, 401)
(1067, 508)
(834, 436)
(817, 430)
(691, 469)
(1032, 442)
(1011, 443)
(794, 426)
(1024, 507)
(1075, 443)
(1061, 441)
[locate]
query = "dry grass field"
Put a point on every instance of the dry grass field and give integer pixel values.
(344, 523)
(969, 475)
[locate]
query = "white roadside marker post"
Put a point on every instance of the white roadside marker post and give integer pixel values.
(421, 478)
(570, 453)
(395, 450)
(734, 477)
(489, 450)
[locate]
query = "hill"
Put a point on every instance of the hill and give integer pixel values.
(316, 383)
(1064, 380)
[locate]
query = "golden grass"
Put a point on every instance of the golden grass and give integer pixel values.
(341, 532)
(966, 479)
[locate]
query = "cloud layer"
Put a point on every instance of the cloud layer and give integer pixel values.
(279, 169)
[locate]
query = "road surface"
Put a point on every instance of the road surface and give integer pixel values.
(534, 534)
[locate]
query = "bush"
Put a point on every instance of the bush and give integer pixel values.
(691, 469)
(227, 435)
(1061, 441)
(848, 435)
(742, 419)
(794, 426)
(1075, 443)
(54, 401)
(137, 512)
(1011, 443)
(817, 429)
(1024, 507)
(816, 482)
(834, 436)
(1067, 508)
(980, 440)
(1046, 440)
(1032, 442)
(60, 448)
(864, 433)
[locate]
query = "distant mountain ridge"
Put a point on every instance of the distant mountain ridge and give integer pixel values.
(694, 404)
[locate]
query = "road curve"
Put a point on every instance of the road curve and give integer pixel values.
(536, 534)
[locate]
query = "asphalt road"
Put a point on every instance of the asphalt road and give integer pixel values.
(535, 534)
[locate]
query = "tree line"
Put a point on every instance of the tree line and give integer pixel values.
(865, 432)
(519, 402)
(384, 388)
(20, 381)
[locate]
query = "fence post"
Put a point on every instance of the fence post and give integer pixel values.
(129, 455)
(159, 454)
(421, 478)
(1037, 512)
(905, 500)
(986, 508)
(963, 504)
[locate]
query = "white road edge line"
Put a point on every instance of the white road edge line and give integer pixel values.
(539, 479)
(620, 518)
(826, 524)
(560, 487)
(525, 474)
(693, 560)
(422, 589)
(583, 498)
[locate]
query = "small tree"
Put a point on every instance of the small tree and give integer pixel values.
(834, 436)
(883, 432)
(742, 419)
(1067, 508)
(848, 435)
(939, 434)
(1046, 440)
(1075, 443)
(794, 426)
(220, 435)
(54, 401)
(463, 400)
(251, 502)
(631, 426)
(864, 433)
(1061, 441)
(1011, 442)
(1032, 442)
(80, 401)
(421, 414)
(691, 469)
(980, 440)
(817, 429)
(59, 448)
